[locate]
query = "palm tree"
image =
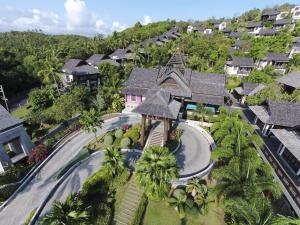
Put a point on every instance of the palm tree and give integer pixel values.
(114, 161)
(245, 178)
(154, 171)
(256, 212)
(70, 212)
(199, 192)
(180, 200)
(90, 121)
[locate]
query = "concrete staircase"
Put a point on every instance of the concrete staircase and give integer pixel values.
(129, 204)
(156, 135)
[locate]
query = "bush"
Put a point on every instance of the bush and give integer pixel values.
(7, 191)
(108, 140)
(133, 133)
(125, 142)
(140, 211)
(38, 154)
(119, 133)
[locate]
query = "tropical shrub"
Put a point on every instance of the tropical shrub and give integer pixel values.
(125, 142)
(133, 133)
(180, 201)
(114, 161)
(108, 140)
(38, 154)
(119, 133)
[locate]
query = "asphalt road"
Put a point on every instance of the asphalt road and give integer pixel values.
(17, 211)
(194, 154)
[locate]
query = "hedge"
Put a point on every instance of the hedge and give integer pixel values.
(125, 142)
(140, 211)
(108, 140)
(119, 133)
(7, 190)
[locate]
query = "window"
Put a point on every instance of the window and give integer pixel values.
(133, 98)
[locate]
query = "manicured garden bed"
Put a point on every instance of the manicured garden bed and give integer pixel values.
(116, 138)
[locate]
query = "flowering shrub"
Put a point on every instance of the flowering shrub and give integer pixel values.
(38, 153)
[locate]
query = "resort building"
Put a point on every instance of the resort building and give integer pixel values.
(290, 82)
(267, 33)
(15, 143)
(121, 55)
(219, 25)
(80, 72)
(254, 27)
(278, 60)
(96, 59)
(282, 23)
(248, 89)
(239, 66)
(296, 12)
(235, 35)
(295, 46)
(276, 115)
(269, 15)
(183, 84)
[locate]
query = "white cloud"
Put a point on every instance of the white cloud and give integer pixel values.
(117, 26)
(147, 20)
(77, 19)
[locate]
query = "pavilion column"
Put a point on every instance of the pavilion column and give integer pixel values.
(143, 130)
(149, 124)
(166, 126)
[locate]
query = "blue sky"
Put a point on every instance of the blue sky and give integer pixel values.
(89, 17)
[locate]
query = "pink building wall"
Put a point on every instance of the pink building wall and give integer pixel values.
(138, 99)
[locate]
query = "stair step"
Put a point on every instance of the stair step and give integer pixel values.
(123, 219)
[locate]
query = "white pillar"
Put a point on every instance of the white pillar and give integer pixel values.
(243, 99)
(298, 173)
(255, 120)
(279, 148)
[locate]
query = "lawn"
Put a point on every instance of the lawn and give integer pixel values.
(233, 82)
(159, 213)
(22, 111)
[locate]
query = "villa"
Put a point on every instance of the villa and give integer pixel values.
(276, 115)
(290, 82)
(235, 35)
(278, 60)
(295, 46)
(254, 27)
(96, 59)
(282, 23)
(121, 55)
(239, 66)
(80, 72)
(248, 89)
(183, 85)
(15, 143)
(267, 33)
(226, 32)
(296, 12)
(269, 15)
(220, 25)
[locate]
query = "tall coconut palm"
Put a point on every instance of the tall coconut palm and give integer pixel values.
(245, 178)
(256, 212)
(70, 212)
(154, 171)
(114, 161)
(180, 200)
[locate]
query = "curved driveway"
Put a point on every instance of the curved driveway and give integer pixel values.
(194, 154)
(17, 211)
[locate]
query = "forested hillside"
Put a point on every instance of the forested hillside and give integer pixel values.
(28, 59)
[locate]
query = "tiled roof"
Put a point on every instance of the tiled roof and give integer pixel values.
(249, 89)
(6, 120)
(291, 79)
(96, 59)
(277, 57)
(242, 62)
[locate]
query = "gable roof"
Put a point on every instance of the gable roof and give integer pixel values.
(120, 53)
(286, 114)
(291, 79)
(235, 35)
(296, 40)
(267, 32)
(78, 67)
(290, 139)
(241, 62)
(277, 57)
(71, 64)
(254, 24)
(159, 103)
(249, 89)
(282, 22)
(6, 120)
(270, 12)
(96, 59)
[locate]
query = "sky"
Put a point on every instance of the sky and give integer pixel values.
(90, 17)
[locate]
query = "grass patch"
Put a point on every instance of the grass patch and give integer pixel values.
(22, 111)
(159, 213)
(233, 82)
(30, 217)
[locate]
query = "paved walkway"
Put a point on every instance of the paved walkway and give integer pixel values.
(75, 180)
(17, 211)
(194, 154)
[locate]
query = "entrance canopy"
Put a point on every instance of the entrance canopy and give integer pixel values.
(159, 103)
